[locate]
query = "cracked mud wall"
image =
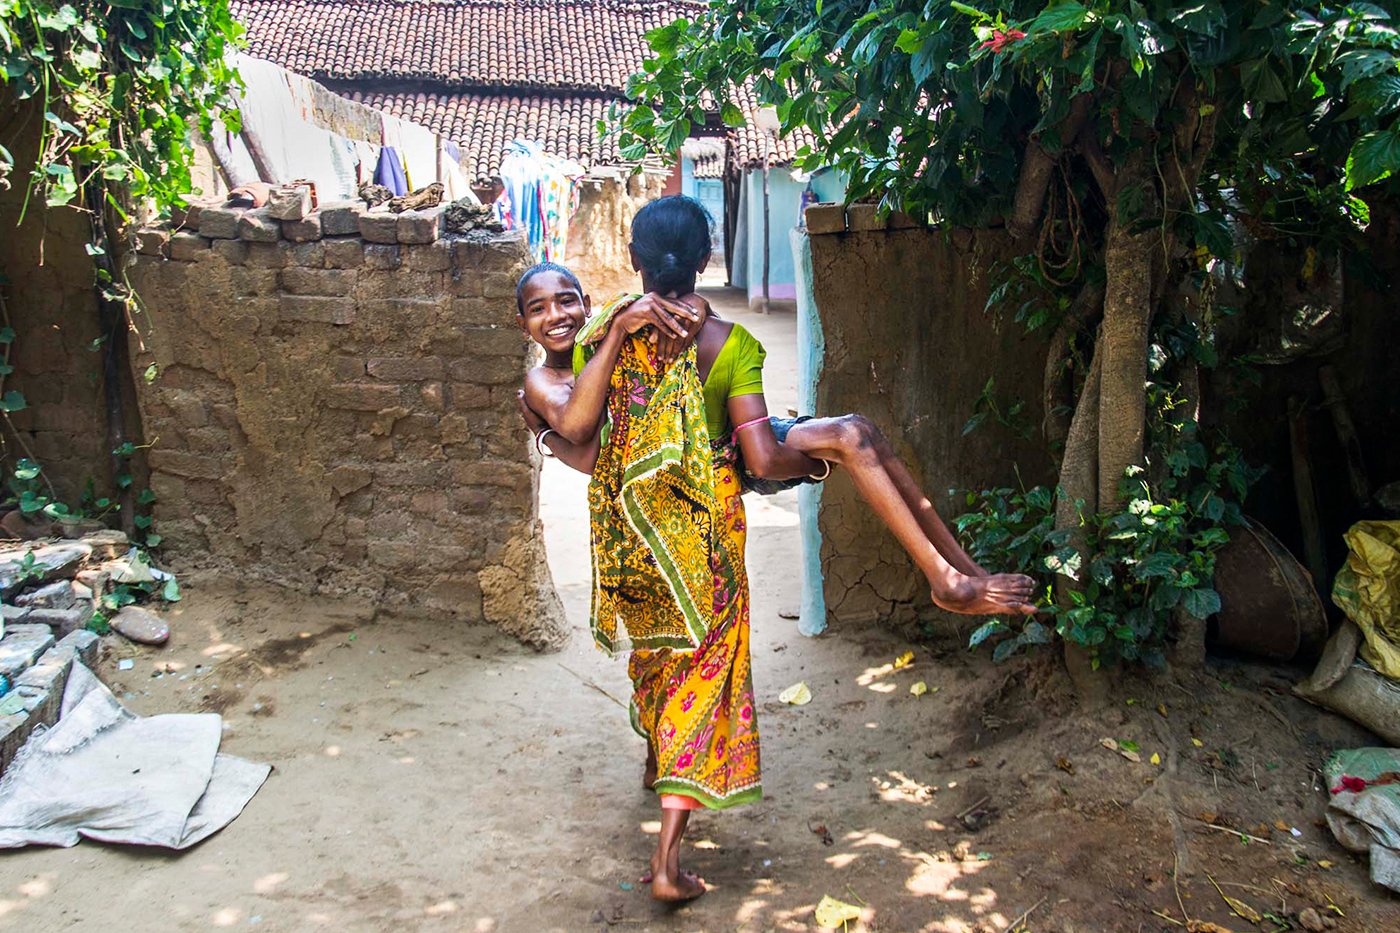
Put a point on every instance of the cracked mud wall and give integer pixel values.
(601, 230)
(909, 345)
(339, 415)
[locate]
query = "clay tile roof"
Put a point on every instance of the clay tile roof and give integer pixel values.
(708, 156)
(591, 45)
(483, 123)
(749, 143)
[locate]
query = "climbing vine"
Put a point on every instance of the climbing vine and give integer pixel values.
(119, 89)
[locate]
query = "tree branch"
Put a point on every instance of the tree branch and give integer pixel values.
(1104, 173)
(1037, 167)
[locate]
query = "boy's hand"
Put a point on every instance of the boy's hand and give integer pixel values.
(533, 421)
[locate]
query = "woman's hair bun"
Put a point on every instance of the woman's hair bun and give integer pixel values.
(671, 239)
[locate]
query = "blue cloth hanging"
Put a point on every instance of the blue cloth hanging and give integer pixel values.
(389, 172)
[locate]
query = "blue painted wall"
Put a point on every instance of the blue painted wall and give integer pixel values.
(785, 201)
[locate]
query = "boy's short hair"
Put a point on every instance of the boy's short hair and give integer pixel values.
(535, 270)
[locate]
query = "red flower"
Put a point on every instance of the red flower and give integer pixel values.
(1001, 38)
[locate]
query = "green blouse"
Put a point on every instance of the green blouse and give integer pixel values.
(737, 370)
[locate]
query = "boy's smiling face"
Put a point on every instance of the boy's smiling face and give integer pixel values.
(551, 311)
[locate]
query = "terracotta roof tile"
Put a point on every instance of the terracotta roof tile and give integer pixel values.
(522, 44)
(749, 143)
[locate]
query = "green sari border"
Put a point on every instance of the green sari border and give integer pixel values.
(711, 802)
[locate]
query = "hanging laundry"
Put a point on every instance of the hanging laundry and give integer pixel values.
(273, 115)
(419, 154)
(367, 160)
(389, 172)
(454, 180)
(540, 195)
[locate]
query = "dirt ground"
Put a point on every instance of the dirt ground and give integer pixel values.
(440, 777)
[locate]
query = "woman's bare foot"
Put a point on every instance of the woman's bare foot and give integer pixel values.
(649, 772)
(683, 886)
(995, 594)
(668, 882)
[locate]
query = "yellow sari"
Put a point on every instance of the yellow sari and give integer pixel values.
(667, 534)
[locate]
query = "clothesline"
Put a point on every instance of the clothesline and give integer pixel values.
(298, 129)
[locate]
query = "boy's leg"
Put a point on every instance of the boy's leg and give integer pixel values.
(955, 580)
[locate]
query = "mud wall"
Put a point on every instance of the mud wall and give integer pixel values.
(602, 228)
(46, 278)
(335, 409)
(909, 345)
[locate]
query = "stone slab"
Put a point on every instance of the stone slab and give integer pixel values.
(341, 218)
(864, 217)
(826, 217)
(185, 247)
(258, 226)
(220, 223)
(306, 230)
(21, 647)
(289, 202)
(55, 595)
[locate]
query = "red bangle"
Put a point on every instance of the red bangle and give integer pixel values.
(749, 424)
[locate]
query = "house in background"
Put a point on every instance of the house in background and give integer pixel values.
(485, 72)
(482, 73)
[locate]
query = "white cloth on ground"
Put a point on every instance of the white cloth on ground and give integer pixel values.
(107, 774)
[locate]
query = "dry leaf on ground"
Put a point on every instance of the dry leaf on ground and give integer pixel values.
(799, 694)
(833, 914)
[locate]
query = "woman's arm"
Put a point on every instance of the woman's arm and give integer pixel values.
(764, 457)
(582, 457)
(576, 413)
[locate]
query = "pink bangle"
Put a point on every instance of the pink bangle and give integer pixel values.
(749, 424)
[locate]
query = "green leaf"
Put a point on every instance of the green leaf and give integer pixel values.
(909, 41)
(7, 335)
(732, 115)
(171, 591)
(983, 632)
(1006, 649)
(146, 497)
(1059, 17)
(1201, 603)
(13, 401)
(1374, 157)
(1035, 634)
(63, 19)
(26, 469)
(150, 374)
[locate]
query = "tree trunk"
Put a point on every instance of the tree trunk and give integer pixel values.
(1127, 313)
(1078, 495)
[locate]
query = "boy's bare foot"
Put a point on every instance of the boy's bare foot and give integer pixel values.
(995, 594)
(649, 772)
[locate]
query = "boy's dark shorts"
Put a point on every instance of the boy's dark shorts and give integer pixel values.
(767, 487)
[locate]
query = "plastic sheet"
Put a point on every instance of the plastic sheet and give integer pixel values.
(1368, 820)
(107, 774)
(1367, 589)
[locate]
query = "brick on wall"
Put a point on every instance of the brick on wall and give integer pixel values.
(349, 421)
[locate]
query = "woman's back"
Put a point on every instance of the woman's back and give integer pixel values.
(730, 360)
